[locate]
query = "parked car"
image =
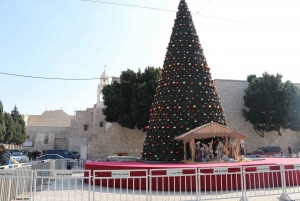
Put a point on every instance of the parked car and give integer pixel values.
(63, 153)
(270, 151)
(76, 153)
(49, 156)
(19, 157)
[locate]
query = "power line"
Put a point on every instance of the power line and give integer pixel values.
(130, 5)
(199, 15)
(248, 23)
(51, 78)
(203, 6)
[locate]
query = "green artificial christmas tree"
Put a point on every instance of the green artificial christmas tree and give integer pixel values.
(185, 97)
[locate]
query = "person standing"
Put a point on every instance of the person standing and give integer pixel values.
(29, 154)
(4, 156)
(290, 151)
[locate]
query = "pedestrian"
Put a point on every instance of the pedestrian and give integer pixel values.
(4, 156)
(290, 151)
(29, 154)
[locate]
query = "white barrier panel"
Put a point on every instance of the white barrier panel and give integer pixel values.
(15, 184)
(291, 174)
(220, 183)
(111, 185)
(59, 185)
(263, 180)
(173, 184)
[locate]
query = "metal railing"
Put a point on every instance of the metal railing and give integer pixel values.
(173, 184)
(51, 180)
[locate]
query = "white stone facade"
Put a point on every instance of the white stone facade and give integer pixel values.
(88, 127)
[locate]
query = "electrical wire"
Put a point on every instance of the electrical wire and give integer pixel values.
(51, 78)
(203, 7)
(130, 5)
(197, 14)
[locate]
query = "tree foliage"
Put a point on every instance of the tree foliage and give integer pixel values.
(2, 123)
(19, 127)
(271, 104)
(12, 127)
(128, 102)
(292, 98)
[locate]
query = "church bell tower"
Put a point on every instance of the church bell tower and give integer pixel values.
(104, 79)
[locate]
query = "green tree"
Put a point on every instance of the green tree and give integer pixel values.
(128, 102)
(185, 98)
(19, 127)
(292, 103)
(2, 124)
(269, 103)
(10, 128)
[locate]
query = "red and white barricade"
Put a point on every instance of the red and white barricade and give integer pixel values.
(220, 183)
(173, 184)
(265, 180)
(291, 179)
(120, 185)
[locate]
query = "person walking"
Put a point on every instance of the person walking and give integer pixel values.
(4, 156)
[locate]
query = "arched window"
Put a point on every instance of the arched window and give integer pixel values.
(85, 127)
(101, 124)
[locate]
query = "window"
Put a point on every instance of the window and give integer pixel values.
(27, 136)
(101, 124)
(46, 141)
(85, 127)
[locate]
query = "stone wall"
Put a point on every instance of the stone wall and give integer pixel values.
(81, 129)
(114, 140)
(58, 137)
(231, 94)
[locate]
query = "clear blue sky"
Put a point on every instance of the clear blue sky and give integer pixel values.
(76, 39)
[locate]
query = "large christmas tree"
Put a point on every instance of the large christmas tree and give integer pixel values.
(185, 98)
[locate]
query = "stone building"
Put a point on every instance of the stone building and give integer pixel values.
(87, 129)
